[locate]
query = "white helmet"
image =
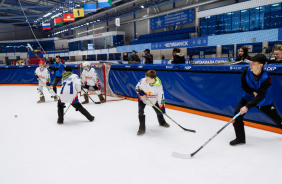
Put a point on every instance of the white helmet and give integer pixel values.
(86, 64)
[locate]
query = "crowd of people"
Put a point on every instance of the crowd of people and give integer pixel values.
(179, 58)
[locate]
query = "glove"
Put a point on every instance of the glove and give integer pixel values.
(96, 88)
(98, 85)
(86, 86)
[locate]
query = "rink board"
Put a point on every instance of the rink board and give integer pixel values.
(213, 89)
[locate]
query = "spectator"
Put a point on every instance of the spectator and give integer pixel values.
(163, 57)
(125, 56)
(134, 58)
(243, 54)
(277, 53)
(148, 57)
(22, 62)
(49, 61)
(16, 63)
(177, 57)
(191, 58)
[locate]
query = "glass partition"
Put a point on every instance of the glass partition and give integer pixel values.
(263, 17)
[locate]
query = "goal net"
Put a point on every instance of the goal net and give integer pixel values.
(102, 70)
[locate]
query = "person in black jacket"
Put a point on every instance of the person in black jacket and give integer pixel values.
(125, 56)
(177, 57)
(243, 54)
(148, 57)
(277, 55)
(134, 58)
(256, 84)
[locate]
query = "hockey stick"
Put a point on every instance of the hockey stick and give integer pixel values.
(49, 89)
(90, 97)
(170, 118)
(67, 108)
(186, 156)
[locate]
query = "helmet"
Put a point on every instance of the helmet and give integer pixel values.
(86, 64)
(41, 63)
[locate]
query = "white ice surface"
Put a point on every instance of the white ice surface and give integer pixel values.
(34, 149)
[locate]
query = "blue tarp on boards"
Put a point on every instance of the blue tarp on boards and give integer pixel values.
(23, 74)
(214, 89)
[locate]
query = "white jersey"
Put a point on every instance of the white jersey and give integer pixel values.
(90, 77)
(70, 87)
(44, 75)
(154, 92)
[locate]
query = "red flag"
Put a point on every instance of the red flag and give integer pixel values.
(68, 17)
(58, 21)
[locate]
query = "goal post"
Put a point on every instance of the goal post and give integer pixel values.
(102, 70)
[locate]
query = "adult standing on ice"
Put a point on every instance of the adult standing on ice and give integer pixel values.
(58, 69)
(256, 84)
(150, 88)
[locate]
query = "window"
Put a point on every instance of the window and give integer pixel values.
(245, 20)
(264, 17)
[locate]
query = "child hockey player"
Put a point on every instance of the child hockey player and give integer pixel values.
(71, 86)
(150, 89)
(42, 73)
(90, 81)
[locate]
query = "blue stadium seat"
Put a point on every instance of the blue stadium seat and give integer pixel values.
(178, 34)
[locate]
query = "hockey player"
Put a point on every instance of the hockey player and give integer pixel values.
(90, 81)
(71, 86)
(150, 88)
(256, 84)
(42, 73)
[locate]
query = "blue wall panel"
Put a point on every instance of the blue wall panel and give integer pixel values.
(23, 74)
(215, 89)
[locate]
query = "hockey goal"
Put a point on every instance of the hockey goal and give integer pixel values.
(102, 70)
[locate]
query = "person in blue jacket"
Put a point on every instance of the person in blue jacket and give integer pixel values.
(58, 69)
(256, 84)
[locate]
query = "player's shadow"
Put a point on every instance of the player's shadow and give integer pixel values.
(76, 122)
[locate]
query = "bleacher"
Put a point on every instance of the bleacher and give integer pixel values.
(178, 34)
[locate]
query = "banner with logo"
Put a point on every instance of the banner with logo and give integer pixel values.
(58, 21)
(174, 19)
(90, 7)
(195, 42)
(117, 20)
(68, 17)
(78, 12)
(104, 3)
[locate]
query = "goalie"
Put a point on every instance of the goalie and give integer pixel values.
(43, 77)
(90, 81)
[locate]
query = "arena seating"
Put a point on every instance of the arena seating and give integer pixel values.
(164, 36)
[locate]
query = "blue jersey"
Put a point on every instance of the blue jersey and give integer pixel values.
(255, 85)
(59, 72)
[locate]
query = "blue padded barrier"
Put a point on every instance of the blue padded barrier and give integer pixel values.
(214, 89)
(23, 74)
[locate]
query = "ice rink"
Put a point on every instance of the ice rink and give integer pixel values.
(36, 150)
